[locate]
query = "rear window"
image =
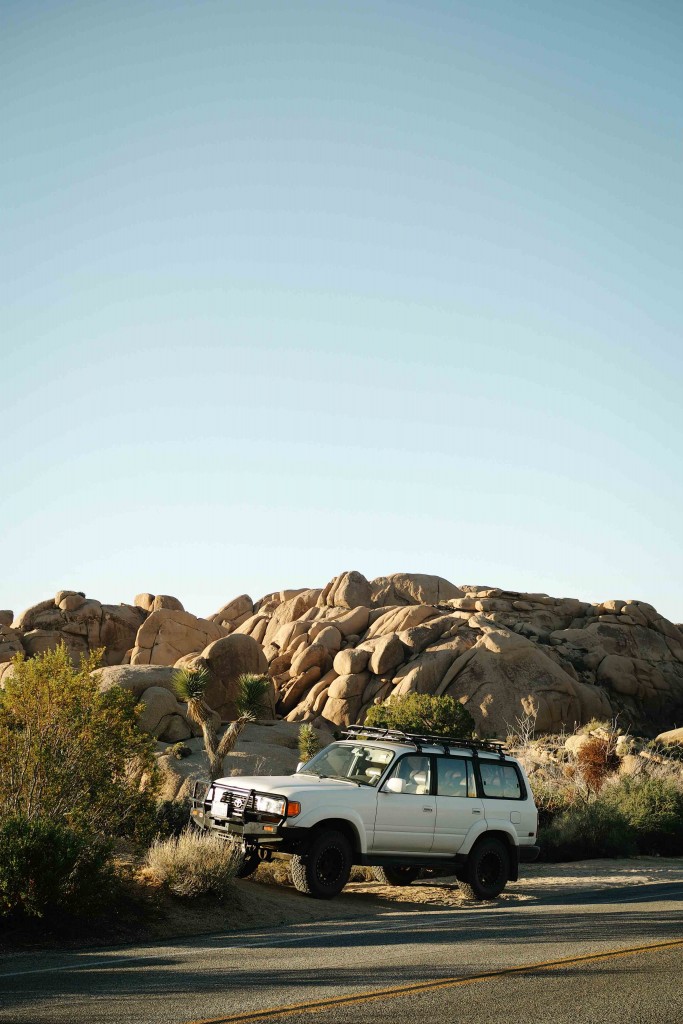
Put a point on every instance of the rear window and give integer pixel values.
(500, 781)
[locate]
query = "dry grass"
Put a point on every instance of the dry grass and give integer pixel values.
(195, 864)
(276, 872)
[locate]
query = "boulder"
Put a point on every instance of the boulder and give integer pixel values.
(352, 660)
(671, 736)
(144, 602)
(174, 729)
(349, 623)
(38, 641)
(226, 659)
(397, 620)
(348, 687)
(241, 607)
(349, 590)
(166, 635)
(388, 653)
(164, 602)
(10, 643)
(423, 673)
(306, 657)
(413, 588)
(329, 636)
(6, 617)
(341, 712)
(156, 703)
(136, 678)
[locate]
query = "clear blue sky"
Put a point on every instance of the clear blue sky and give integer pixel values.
(296, 287)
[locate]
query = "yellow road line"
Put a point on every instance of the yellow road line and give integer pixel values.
(425, 986)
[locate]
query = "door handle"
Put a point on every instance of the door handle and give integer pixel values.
(428, 810)
(475, 811)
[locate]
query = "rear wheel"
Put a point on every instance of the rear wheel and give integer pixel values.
(396, 875)
(488, 869)
(323, 871)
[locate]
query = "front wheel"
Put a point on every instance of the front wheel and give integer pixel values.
(488, 869)
(396, 875)
(250, 862)
(323, 871)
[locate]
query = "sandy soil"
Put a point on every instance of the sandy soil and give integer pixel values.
(266, 904)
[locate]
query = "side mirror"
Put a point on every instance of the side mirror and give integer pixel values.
(393, 786)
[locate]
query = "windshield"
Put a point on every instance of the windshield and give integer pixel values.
(357, 763)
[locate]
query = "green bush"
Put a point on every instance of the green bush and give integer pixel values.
(47, 867)
(195, 864)
(171, 817)
(584, 831)
(71, 754)
(420, 712)
(653, 809)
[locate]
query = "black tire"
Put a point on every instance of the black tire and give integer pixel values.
(323, 871)
(396, 875)
(249, 864)
(487, 872)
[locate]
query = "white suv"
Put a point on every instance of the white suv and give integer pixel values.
(395, 801)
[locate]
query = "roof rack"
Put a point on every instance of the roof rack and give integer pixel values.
(424, 739)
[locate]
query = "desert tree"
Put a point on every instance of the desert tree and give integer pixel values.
(190, 685)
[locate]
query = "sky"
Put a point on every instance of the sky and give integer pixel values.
(291, 288)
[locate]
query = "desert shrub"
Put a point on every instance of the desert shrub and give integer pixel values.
(594, 725)
(551, 796)
(669, 751)
(171, 817)
(420, 712)
(653, 808)
(309, 744)
(48, 868)
(587, 830)
(195, 864)
(71, 754)
(596, 761)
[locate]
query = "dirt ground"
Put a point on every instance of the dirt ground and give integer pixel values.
(265, 903)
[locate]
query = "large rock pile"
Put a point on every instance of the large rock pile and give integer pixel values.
(333, 652)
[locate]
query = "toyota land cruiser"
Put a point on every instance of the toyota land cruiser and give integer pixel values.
(395, 801)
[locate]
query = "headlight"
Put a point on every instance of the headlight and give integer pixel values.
(270, 805)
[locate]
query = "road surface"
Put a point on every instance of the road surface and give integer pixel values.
(609, 956)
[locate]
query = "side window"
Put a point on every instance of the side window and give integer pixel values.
(414, 772)
(500, 781)
(455, 777)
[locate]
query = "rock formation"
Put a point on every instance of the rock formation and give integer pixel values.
(332, 652)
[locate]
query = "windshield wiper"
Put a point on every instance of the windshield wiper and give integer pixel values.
(339, 778)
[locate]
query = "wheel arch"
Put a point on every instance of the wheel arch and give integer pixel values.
(508, 841)
(343, 825)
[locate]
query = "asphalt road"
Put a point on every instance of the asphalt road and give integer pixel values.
(603, 956)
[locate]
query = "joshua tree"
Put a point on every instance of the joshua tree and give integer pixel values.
(309, 744)
(190, 686)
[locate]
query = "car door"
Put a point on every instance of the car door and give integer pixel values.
(404, 822)
(458, 807)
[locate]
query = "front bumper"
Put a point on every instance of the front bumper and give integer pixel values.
(242, 822)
